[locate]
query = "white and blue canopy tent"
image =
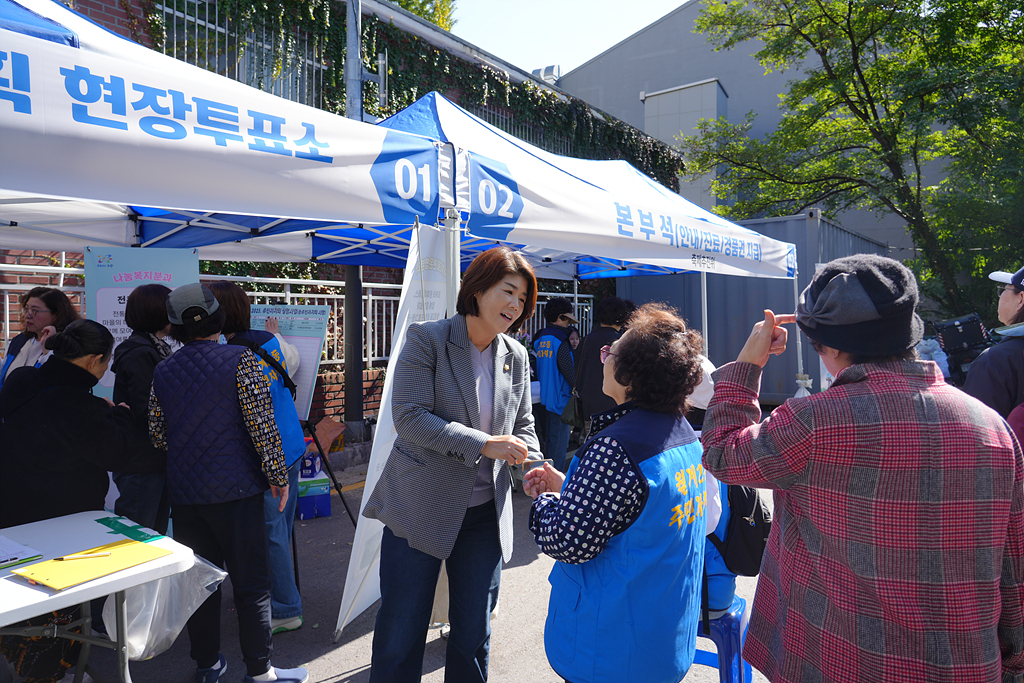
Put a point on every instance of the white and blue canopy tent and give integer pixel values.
(150, 151)
(107, 142)
(104, 142)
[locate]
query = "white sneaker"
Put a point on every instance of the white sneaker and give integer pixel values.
(287, 624)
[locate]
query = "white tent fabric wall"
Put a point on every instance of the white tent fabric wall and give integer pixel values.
(427, 279)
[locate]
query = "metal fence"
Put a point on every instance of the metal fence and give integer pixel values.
(503, 119)
(380, 307)
(200, 34)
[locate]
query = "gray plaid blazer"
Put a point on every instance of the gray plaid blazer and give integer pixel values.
(425, 487)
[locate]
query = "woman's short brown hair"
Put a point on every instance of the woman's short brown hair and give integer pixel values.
(235, 304)
(487, 270)
(146, 309)
(56, 302)
(658, 359)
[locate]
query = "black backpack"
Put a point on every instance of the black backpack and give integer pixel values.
(746, 535)
(750, 522)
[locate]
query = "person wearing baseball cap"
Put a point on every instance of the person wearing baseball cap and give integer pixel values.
(212, 411)
(556, 370)
(893, 491)
(996, 377)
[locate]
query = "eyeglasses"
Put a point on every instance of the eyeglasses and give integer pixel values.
(1005, 288)
(605, 352)
(36, 311)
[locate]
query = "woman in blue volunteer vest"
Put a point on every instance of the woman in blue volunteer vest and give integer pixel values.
(627, 523)
(285, 602)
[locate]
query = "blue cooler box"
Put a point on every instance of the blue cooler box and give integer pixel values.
(314, 490)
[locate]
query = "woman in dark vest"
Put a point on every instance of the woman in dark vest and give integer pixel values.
(285, 601)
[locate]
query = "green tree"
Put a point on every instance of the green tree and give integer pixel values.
(887, 86)
(438, 12)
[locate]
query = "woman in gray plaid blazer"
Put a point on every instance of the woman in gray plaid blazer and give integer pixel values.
(463, 412)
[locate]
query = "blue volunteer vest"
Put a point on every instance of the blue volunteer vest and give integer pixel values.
(285, 415)
(210, 455)
(630, 614)
(554, 390)
(13, 349)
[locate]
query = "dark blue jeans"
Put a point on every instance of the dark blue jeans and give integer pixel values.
(285, 600)
(556, 439)
(408, 579)
(142, 498)
(234, 535)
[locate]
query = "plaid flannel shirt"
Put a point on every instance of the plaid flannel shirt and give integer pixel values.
(898, 537)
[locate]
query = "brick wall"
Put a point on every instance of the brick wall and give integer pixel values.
(329, 394)
(36, 258)
(124, 17)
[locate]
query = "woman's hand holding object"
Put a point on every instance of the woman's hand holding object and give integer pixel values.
(506, 447)
(545, 479)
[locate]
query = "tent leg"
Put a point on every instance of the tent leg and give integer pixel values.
(704, 309)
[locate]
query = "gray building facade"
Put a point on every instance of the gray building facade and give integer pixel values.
(666, 77)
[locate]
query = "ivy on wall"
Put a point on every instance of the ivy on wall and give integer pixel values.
(416, 67)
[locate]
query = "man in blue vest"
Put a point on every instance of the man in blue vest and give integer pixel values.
(212, 410)
(557, 374)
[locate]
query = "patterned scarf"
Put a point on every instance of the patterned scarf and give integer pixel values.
(162, 347)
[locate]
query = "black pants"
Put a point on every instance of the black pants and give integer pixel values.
(231, 535)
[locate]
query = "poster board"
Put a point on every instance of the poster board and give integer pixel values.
(305, 328)
(111, 273)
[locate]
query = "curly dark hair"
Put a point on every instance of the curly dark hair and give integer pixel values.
(611, 311)
(658, 359)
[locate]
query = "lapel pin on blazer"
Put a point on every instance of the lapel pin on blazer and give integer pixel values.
(507, 367)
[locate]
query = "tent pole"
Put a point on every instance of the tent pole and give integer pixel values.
(353, 339)
(354, 66)
(454, 244)
(704, 310)
(353, 333)
(799, 336)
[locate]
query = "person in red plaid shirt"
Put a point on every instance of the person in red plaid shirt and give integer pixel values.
(897, 548)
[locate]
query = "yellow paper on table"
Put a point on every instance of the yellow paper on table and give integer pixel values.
(60, 574)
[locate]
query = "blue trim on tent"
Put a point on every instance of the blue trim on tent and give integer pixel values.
(14, 17)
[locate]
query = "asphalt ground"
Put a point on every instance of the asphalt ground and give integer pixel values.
(324, 546)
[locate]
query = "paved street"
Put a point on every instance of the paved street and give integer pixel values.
(517, 644)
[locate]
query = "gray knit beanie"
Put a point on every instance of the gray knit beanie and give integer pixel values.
(863, 304)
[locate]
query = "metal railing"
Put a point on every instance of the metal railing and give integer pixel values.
(199, 33)
(380, 307)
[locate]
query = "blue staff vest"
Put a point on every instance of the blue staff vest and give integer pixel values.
(285, 415)
(554, 390)
(630, 614)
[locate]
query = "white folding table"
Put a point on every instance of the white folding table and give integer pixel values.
(20, 600)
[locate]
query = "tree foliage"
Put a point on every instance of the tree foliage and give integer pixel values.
(441, 13)
(887, 89)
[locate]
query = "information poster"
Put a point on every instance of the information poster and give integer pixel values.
(111, 273)
(305, 328)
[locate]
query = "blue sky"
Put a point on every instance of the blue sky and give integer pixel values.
(531, 34)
